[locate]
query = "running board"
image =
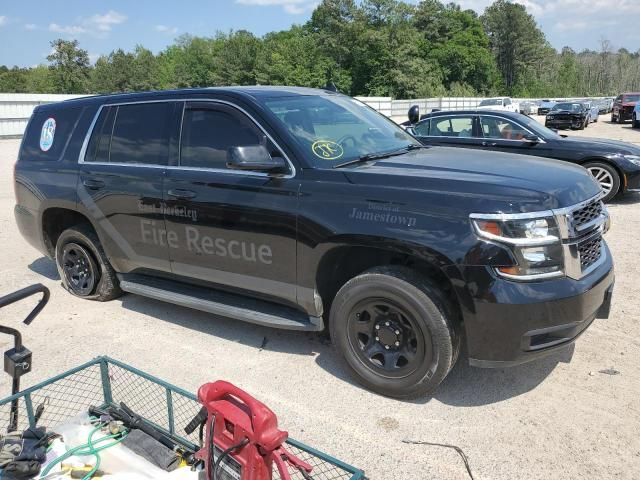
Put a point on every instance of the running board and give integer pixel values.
(221, 303)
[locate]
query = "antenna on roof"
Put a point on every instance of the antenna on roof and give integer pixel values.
(330, 86)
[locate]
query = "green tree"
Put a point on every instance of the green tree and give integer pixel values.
(126, 72)
(235, 62)
(519, 46)
(40, 80)
(70, 67)
(13, 80)
(456, 41)
(293, 57)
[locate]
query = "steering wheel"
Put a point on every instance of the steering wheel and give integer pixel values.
(346, 138)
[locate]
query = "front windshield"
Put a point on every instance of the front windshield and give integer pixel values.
(490, 101)
(631, 98)
(572, 107)
(334, 129)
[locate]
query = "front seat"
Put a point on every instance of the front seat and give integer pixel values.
(299, 123)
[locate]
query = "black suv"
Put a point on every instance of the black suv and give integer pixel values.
(305, 209)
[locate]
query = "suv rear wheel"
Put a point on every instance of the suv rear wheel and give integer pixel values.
(83, 265)
(395, 331)
(606, 176)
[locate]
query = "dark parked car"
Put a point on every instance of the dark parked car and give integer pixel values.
(304, 209)
(573, 115)
(623, 107)
(545, 106)
(615, 165)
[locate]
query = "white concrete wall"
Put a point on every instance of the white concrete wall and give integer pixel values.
(382, 104)
(16, 108)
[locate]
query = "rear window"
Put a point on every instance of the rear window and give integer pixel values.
(136, 134)
(49, 133)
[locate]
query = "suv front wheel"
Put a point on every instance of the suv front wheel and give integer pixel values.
(395, 330)
(83, 265)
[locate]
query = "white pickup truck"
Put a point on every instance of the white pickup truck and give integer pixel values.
(499, 103)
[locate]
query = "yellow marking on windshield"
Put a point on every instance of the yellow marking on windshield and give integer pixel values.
(327, 150)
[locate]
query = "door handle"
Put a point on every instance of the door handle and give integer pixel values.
(93, 184)
(489, 144)
(181, 194)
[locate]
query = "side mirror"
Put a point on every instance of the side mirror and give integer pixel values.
(414, 114)
(256, 158)
(530, 138)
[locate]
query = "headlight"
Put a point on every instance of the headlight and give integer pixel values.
(549, 117)
(635, 159)
(534, 242)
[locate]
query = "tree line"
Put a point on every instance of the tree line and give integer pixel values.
(368, 47)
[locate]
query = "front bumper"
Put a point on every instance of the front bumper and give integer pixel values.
(570, 123)
(625, 113)
(509, 323)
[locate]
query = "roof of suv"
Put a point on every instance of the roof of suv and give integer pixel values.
(257, 91)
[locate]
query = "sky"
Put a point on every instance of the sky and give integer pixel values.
(27, 26)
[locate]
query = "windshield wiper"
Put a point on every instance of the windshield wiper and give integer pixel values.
(379, 156)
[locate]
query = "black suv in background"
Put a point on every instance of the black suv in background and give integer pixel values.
(615, 165)
(307, 210)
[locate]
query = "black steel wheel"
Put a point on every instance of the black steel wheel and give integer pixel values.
(79, 269)
(385, 337)
(395, 330)
(83, 265)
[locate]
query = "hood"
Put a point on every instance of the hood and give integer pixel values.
(602, 145)
(566, 112)
(489, 181)
(629, 104)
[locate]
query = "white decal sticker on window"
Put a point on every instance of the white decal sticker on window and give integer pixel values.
(47, 134)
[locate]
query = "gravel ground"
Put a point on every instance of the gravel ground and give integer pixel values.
(564, 417)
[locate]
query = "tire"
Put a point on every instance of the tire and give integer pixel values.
(603, 172)
(614, 119)
(83, 265)
(584, 124)
(395, 332)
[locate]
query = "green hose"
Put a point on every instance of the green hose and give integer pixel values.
(88, 449)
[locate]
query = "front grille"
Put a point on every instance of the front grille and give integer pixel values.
(586, 214)
(590, 252)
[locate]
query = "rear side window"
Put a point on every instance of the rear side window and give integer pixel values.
(208, 132)
(98, 148)
(136, 134)
(451, 127)
(49, 133)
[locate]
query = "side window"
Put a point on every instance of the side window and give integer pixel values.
(422, 128)
(208, 132)
(458, 126)
(57, 126)
(507, 101)
(98, 148)
(140, 134)
(618, 99)
(501, 128)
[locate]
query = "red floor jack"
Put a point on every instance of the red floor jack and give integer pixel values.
(242, 437)
(17, 361)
